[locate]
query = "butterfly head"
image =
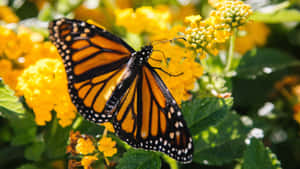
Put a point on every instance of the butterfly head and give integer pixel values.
(143, 55)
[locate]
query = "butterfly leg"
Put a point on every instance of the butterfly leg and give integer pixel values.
(158, 68)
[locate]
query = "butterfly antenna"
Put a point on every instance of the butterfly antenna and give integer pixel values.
(166, 40)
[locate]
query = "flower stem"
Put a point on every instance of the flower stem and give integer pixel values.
(77, 123)
(230, 50)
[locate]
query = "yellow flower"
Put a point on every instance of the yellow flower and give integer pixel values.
(108, 126)
(256, 35)
(7, 15)
(22, 49)
(87, 161)
(107, 146)
(84, 146)
(44, 86)
(143, 19)
(230, 14)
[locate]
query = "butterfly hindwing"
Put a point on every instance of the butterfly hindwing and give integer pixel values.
(149, 118)
(95, 61)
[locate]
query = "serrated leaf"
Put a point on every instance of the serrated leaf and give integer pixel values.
(8, 101)
(28, 166)
(263, 62)
(200, 109)
(285, 15)
(220, 143)
(139, 159)
(34, 151)
(259, 156)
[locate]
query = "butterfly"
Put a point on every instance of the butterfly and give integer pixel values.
(109, 80)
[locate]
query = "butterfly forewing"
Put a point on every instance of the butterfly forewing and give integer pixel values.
(148, 117)
(95, 62)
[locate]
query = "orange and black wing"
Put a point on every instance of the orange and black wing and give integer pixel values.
(149, 118)
(95, 62)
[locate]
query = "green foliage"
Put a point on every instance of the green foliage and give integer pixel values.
(259, 156)
(28, 166)
(56, 138)
(9, 102)
(285, 15)
(20, 119)
(263, 62)
(139, 159)
(34, 151)
(222, 142)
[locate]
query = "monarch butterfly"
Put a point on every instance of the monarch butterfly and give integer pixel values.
(109, 80)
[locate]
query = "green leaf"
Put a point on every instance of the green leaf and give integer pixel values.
(34, 152)
(259, 156)
(56, 138)
(24, 130)
(263, 62)
(220, 143)
(197, 110)
(8, 101)
(20, 120)
(252, 93)
(285, 15)
(139, 159)
(28, 166)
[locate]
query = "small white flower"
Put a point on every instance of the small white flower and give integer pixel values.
(266, 109)
(254, 133)
(247, 121)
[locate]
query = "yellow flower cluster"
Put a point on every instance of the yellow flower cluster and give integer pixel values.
(19, 50)
(83, 145)
(231, 14)
(144, 19)
(205, 35)
(201, 36)
(179, 61)
(44, 86)
(7, 15)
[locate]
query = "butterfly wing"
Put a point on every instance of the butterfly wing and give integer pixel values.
(149, 118)
(95, 62)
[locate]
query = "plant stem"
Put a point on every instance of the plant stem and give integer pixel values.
(172, 163)
(230, 52)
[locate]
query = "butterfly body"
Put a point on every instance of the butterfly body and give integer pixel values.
(108, 80)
